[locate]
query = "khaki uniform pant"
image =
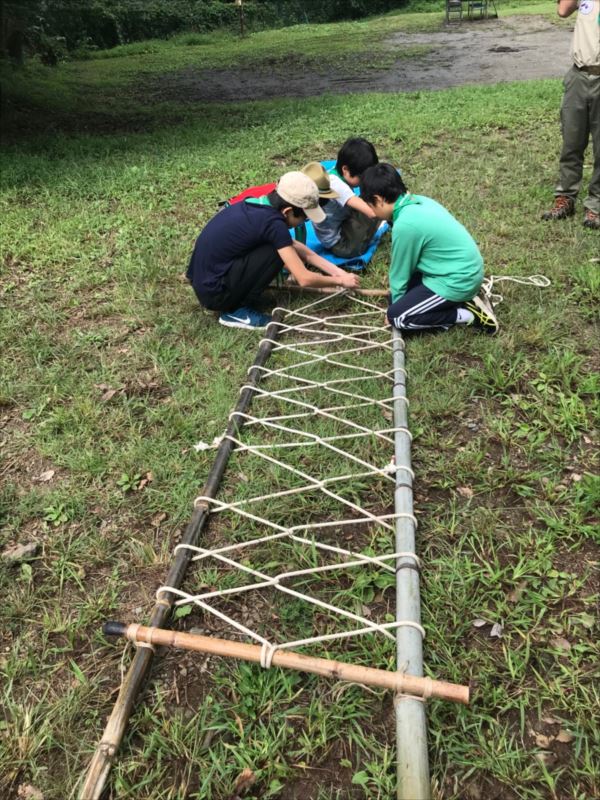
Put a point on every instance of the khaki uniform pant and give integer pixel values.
(580, 118)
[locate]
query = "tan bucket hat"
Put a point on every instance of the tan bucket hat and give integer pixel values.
(317, 173)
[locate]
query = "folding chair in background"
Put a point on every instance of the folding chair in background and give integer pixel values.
(454, 10)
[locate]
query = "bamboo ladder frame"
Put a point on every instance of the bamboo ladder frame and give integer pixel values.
(409, 685)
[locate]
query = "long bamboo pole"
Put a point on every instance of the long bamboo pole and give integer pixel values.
(104, 755)
(288, 659)
(411, 724)
(294, 287)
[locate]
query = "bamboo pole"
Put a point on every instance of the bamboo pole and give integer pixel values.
(411, 725)
(104, 755)
(294, 287)
(288, 659)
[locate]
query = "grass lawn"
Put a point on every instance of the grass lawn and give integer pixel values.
(111, 372)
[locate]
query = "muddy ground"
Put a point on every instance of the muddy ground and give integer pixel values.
(478, 52)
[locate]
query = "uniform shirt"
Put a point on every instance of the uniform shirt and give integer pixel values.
(585, 49)
(329, 231)
(427, 239)
(232, 234)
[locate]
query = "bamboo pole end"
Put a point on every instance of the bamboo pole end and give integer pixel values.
(113, 628)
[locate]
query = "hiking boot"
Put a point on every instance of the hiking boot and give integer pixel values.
(563, 207)
(246, 318)
(591, 220)
(482, 310)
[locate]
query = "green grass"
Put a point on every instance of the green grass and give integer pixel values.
(110, 373)
(106, 91)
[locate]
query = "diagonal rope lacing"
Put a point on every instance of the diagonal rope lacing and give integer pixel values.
(296, 406)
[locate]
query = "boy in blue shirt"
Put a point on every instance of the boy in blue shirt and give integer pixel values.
(244, 246)
(350, 224)
(436, 269)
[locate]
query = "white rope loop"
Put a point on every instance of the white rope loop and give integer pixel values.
(540, 281)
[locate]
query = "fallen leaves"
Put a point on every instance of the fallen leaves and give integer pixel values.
(20, 552)
(148, 478)
(546, 740)
(45, 476)
(245, 780)
(137, 386)
(496, 631)
(465, 491)
(542, 740)
(28, 792)
(516, 593)
(107, 391)
(560, 643)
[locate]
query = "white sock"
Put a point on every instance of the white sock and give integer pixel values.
(464, 316)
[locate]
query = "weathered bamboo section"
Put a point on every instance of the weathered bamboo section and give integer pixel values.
(102, 760)
(294, 287)
(398, 682)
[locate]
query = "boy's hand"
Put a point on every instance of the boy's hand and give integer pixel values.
(348, 280)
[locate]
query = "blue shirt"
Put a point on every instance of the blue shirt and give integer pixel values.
(232, 234)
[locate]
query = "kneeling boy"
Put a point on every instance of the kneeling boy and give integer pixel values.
(350, 224)
(436, 268)
(244, 246)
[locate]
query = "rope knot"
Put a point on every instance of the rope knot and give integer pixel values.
(267, 651)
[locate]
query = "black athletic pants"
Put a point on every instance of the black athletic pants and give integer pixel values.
(420, 308)
(245, 281)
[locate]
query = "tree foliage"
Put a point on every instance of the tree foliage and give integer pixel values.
(52, 28)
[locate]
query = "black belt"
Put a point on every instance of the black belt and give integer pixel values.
(591, 70)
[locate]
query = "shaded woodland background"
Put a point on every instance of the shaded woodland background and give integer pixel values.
(58, 29)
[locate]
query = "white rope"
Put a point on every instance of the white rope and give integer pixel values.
(541, 281)
(345, 336)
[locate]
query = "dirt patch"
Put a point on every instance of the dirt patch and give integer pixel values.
(486, 52)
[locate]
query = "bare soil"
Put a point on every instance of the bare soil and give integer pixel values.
(470, 52)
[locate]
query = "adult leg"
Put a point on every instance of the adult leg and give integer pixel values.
(592, 201)
(356, 233)
(575, 123)
(420, 308)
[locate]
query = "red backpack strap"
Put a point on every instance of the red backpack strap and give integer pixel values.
(253, 191)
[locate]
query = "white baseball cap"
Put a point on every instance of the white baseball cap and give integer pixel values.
(299, 190)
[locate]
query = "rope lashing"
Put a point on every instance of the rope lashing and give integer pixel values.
(427, 693)
(291, 400)
(266, 655)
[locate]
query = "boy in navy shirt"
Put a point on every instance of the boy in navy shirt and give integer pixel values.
(244, 246)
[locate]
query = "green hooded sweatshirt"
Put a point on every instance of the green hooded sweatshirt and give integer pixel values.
(427, 239)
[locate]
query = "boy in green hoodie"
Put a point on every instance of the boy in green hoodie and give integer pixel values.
(436, 268)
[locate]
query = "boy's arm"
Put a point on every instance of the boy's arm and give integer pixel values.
(304, 277)
(567, 7)
(309, 256)
(359, 205)
(406, 250)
